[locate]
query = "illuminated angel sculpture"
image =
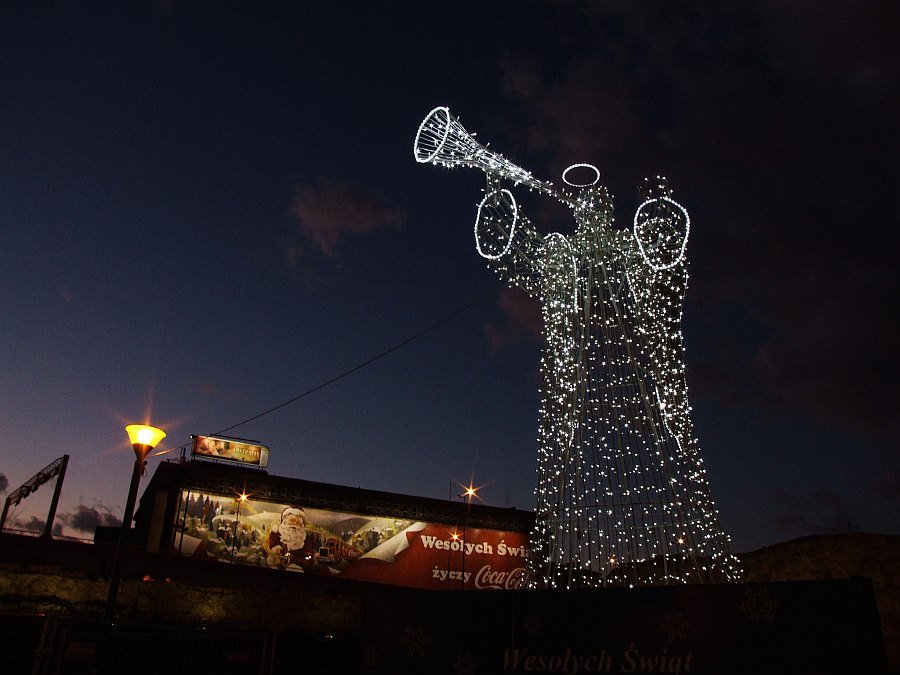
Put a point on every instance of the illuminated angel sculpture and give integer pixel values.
(622, 495)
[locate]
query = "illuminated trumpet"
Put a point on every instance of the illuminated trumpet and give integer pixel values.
(444, 141)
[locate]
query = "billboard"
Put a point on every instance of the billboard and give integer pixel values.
(231, 450)
(382, 549)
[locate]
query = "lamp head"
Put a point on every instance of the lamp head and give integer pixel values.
(144, 438)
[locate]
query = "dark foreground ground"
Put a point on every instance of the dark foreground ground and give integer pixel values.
(812, 605)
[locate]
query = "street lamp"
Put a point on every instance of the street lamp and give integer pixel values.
(240, 499)
(143, 439)
(468, 492)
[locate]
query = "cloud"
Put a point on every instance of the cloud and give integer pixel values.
(327, 213)
(821, 512)
(209, 389)
(4, 483)
(771, 143)
(87, 518)
(33, 524)
(521, 320)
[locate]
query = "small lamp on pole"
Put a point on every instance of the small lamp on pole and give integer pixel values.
(143, 439)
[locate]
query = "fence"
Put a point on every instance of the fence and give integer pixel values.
(52, 645)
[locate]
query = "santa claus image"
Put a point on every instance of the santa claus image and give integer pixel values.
(287, 543)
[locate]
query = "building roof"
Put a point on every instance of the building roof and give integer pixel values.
(226, 479)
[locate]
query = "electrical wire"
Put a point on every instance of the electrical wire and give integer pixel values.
(357, 367)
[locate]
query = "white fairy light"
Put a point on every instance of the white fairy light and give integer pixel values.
(667, 234)
(581, 166)
(622, 496)
(496, 217)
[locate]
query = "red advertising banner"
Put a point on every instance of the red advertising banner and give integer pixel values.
(433, 555)
(396, 551)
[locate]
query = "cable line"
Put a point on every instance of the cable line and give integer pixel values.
(360, 366)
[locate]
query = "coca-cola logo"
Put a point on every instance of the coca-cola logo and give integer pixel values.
(487, 577)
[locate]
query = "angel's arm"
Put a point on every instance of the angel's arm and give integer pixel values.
(507, 240)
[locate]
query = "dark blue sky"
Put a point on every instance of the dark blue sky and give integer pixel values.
(206, 210)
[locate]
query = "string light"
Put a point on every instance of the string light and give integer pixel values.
(622, 496)
(589, 167)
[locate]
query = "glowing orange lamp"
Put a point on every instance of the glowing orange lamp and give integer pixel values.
(143, 439)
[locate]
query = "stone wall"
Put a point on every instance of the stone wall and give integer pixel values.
(72, 579)
(876, 556)
(283, 607)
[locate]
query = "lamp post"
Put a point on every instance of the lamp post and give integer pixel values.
(143, 439)
(237, 523)
(470, 491)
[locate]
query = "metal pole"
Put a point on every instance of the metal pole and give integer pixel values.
(139, 465)
(182, 501)
(462, 582)
(237, 527)
(5, 511)
(51, 515)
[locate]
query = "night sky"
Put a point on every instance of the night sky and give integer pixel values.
(208, 209)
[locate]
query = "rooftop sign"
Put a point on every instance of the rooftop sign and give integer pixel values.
(231, 450)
